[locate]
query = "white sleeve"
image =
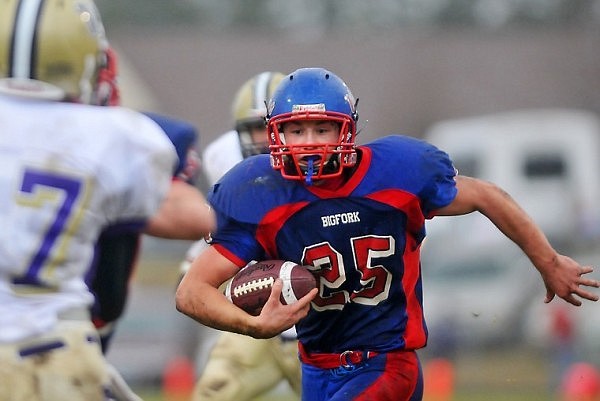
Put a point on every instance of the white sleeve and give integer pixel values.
(221, 155)
(144, 169)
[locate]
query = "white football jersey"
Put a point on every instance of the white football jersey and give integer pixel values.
(221, 155)
(67, 171)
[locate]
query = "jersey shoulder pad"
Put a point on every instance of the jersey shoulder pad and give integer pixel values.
(408, 148)
(413, 165)
(400, 152)
(254, 181)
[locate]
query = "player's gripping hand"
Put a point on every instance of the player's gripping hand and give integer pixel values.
(277, 317)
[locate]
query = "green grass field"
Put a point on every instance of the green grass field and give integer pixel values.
(491, 375)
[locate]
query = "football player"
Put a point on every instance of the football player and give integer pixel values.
(69, 170)
(117, 250)
(357, 215)
(239, 367)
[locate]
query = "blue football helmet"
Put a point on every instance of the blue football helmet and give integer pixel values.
(312, 94)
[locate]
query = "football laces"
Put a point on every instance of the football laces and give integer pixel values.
(254, 285)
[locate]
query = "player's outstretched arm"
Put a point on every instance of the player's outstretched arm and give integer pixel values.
(184, 214)
(562, 275)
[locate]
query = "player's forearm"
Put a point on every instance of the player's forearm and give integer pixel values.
(498, 206)
(208, 306)
(183, 215)
(517, 225)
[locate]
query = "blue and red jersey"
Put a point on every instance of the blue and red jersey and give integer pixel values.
(362, 240)
(184, 137)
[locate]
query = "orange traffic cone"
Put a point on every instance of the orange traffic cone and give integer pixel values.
(178, 379)
(438, 380)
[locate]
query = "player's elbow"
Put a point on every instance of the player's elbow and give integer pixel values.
(183, 302)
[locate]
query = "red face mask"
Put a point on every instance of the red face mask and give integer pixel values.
(108, 90)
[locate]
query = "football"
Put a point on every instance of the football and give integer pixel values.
(250, 288)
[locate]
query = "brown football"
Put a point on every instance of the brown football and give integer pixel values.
(250, 288)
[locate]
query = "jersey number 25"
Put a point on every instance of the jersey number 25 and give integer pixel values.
(329, 264)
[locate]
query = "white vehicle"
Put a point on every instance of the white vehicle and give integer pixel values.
(476, 298)
(546, 159)
(476, 287)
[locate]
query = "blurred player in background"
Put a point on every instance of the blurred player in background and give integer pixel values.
(240, 367)
(70, 170)
(249, 136)
(356, 214)
(117, 253)
(117, 250)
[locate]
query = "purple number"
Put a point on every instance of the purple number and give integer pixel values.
(32, 180)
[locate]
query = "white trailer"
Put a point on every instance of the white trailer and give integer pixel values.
(547, 159)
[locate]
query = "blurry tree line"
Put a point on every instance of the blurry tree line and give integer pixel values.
(323, 16)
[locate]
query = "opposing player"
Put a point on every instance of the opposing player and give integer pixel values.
(248, 138)
(117, 250)
(357, 215)
(69, 170)
(117, 253)
(239, 367)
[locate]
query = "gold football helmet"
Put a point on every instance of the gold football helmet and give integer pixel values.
(55, 49)
(249, 110)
